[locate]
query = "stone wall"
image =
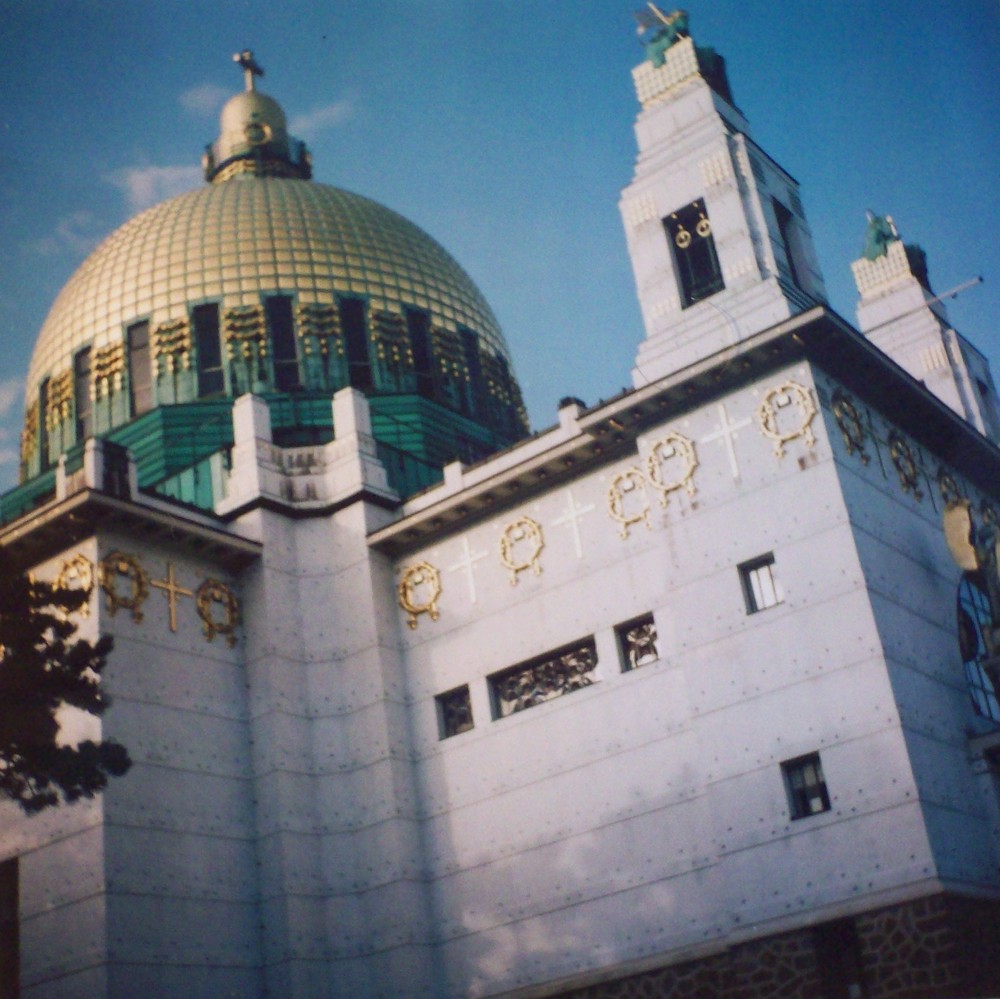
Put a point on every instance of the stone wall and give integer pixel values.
(938, 947)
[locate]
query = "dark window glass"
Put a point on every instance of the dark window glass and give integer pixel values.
(807, 794)
(355, 330)
(43, 425)
(209, 349)
(789, 239)
(281, 327)
(81, 395)
(974, 623)
(690, 235)
(474, 387)
(140, 371)
(454, 712)
(839, 960)
(760, 585)
(419, 328)
(10, 962)
(637, 643)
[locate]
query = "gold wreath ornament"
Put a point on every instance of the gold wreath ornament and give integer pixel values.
(851, 428)
(118, 566)
(521, 533)
(425, 578)
(673, 448)
(211, 594)
(779, 398)
(77, 573)
(624, 486)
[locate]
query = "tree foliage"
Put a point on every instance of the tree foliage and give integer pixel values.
(43, 666)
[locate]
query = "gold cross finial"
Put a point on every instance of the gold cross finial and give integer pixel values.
(250, 67)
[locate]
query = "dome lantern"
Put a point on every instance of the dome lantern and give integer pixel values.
(253, 135)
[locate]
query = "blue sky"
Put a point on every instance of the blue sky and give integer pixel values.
(504, 129)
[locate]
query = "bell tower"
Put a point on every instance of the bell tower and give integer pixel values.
(900, 313)
(716, 231)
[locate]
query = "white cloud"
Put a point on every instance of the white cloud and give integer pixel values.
(205, 99)
(148, 185)
(10, 392)
(77, 233)
(320, 118)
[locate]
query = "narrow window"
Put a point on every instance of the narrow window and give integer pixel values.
(690, 235)
(543, 679)
(10, 958)
(454, 712)
(81, 395)
(974, 624)
(637, 643)
(418, 327)
(352, 322)
(804, 784)
(282, 332)
(43, 425)
(474, 372)
(140, 371)
(205, 319)
(760, 585)
(789, 241)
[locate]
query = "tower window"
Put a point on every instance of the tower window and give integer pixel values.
(81, 395)
(543, 679)
(418, 327)
(690, 233)
(205, 319)
(352, 322)
(140, 372)
(760, 585)
(282, 330)
(806, 788)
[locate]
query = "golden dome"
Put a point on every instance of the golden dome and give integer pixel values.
(237, 241)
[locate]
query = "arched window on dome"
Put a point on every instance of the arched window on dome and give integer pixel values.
(205, 320)
(418, 326)
(81, 395)
(281, 333)
(43, 425)
(354, 327)
(140, 372)
(474, 370)
(974, 618)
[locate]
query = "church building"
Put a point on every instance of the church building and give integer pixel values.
(682, 696)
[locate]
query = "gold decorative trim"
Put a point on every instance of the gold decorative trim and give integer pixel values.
(246, 332)
(172, 345)
(673, 445)
(852, 429)
(948, 487)
(29, 435)
(107, 369)
(210, 593)
(906, 464)
(524, 529)
(117, 565)
(77, 573)
(779, 397)
(622, 485)
(319, 325)
(60, 398)
(418, 575)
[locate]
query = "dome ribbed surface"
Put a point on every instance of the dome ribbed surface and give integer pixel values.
(239, 240)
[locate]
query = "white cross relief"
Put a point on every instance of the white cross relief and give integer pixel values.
(726, 432)
(467, 563)
(572, 516)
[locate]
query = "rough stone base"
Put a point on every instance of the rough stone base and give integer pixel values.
(939, 947)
